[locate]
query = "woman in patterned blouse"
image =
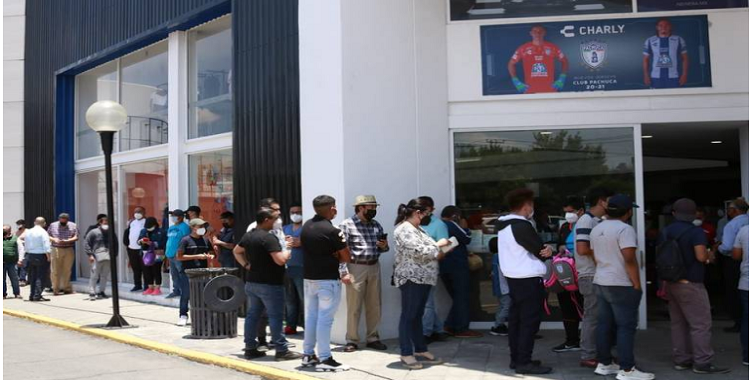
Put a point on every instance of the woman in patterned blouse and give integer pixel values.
(415, 272)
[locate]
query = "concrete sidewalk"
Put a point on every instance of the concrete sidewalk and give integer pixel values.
(466, 359)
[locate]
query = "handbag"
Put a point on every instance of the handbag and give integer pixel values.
(475, 262)
(149, 257)
(101, 255)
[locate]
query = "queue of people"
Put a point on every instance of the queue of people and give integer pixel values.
(294, 275)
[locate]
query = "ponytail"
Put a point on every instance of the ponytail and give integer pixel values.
(407, 210)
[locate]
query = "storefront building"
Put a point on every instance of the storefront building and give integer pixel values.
(233, 101)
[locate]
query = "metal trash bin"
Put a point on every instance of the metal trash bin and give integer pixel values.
(215, 296)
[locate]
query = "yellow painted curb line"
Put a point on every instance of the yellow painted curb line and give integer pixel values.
(196, 356)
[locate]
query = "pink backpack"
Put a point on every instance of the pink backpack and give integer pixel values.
(562, 276)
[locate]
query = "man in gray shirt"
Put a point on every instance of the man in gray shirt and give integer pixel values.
(586, 267)
(618, 286)
(740, 252)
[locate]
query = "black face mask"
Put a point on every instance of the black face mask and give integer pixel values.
(63, 224)
(7, 235)
(226, 225)
(426, 220)
(370, 214)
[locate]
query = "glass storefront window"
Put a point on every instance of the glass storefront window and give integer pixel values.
(93, 189)
(556, 164)
(145, 185)
(92, 86)
(144, 95)
(211, 184)
(210, 80)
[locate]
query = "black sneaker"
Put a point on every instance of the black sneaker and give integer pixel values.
(263, 347)
(287, 355)
(532, 369)
(533, 362)
(709, 369)
(439, 337)
(330, 365)
(499, 330)
(377, 345)
(309, 361)
(136, 289)
(253, 354)
(565, 347)
(683, 366)
(428, 339)
(101, 295)
(92, 297)
(733, 329)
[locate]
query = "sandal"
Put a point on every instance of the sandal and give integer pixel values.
(428, 358)
(350, 347)
(410, 362)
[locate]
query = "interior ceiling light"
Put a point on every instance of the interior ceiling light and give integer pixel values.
(716, 142)
(545, 132)
(646, 136)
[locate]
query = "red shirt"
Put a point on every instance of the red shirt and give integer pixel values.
(538, 65)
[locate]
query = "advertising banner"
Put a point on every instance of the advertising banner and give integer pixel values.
(681, 5)
(596, 55)
(487, 9)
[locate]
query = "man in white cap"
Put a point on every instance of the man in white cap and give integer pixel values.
(366, 240)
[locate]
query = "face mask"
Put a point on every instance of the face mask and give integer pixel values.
(571, 217)
(296, 218)
(531, 216)
(278, 224)
(20, 227)
(63, 224)
(226, 225)
(6, 234)
(138, 216)
(201, 231)
(150, 229)
(697, 222)
(173, 219)
(370, 214)
(425, 220)
(104, 227)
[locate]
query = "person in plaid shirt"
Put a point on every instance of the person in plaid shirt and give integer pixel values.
(366, 240)
(63, 234)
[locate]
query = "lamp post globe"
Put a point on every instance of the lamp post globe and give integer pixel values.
(106, 116)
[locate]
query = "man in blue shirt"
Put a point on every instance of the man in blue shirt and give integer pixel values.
(295, 294)
(737, 213)
(432, 326)
(178, 230)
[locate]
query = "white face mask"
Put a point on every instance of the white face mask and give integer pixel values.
(105, 227)
(173, 219)
(150, 229)
(296, 218)
(697, 222)
(138, 216)
(571, 217)
(531, 216)
(278, 224)
(201, 231)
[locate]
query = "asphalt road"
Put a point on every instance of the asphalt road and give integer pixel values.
(34, 351)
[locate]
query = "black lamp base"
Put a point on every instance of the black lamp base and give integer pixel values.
(117, 321)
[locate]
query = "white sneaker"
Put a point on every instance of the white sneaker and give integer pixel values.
(634, 374)
(605, 370)
(183, 320)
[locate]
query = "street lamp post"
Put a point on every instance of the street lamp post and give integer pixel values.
(106, 118)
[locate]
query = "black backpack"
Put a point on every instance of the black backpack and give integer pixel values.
(670, 265)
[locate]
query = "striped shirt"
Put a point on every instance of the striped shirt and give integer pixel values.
(585, 265)
(362, 239)
(58, 231)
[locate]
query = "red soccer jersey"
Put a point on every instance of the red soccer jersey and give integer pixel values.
(538, 65)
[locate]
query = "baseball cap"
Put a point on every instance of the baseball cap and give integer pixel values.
(620, 202)
(64, 215)
(362, 200)
(178, 213)
(197, 222)
(684, 209)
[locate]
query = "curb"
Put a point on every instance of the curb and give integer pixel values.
(195, 356)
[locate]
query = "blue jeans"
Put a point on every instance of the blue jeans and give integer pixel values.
(174, 273)
(430, 320)
(295, 296)
(413, 300)
(503, 309)
(22, 270)
(617, 319)
(270, 298)
(744, 328)
(184, 282)
(9, 270)
(457, 283)
(322, 298)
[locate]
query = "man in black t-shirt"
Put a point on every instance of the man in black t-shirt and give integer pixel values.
(194, 251)
(324, 248)
(260, 254)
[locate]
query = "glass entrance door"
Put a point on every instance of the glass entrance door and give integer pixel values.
(558, 164)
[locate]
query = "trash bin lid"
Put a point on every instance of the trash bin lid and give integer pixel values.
(205, 272)
(216, 284)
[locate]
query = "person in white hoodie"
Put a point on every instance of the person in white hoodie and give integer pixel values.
(521, 255)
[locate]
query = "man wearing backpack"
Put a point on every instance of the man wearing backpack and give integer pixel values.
(689, 307)
(586, 266)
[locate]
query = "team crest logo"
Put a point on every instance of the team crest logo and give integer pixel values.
(594, 53)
